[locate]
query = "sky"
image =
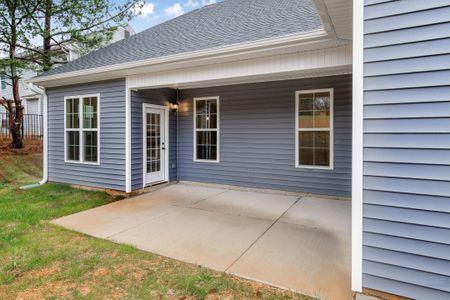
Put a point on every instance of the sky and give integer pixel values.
(157, 11)
(154, 12)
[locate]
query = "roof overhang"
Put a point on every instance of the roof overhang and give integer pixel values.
(336, 16)
(267, 47)
(303, 64)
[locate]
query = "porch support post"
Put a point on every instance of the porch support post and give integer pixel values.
(357, 144)
(127, 137)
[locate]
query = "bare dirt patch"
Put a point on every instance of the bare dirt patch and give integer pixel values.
(44, 272)
(56, 289)
(84, 290)
(101, 272)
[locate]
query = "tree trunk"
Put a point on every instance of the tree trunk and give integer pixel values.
(15, 127)
(47, 61)
(16, 116)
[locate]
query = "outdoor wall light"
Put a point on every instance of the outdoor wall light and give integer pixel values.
(174, 106)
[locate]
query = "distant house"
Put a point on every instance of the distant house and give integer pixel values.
(280, 94)
(32, 102)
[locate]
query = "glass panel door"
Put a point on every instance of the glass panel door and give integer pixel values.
(153, 142)
(154, 156)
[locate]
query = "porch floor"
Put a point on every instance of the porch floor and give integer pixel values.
(297, 242)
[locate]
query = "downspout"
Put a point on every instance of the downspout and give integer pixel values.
(41, 91)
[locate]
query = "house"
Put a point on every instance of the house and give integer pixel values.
(32, 102)
(280, 94)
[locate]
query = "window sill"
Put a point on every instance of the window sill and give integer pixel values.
(206, 161)
(314, 168)
(74, 162)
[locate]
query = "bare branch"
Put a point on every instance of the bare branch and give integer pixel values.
(92, 26)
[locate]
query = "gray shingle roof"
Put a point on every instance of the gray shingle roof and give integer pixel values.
(220, 24)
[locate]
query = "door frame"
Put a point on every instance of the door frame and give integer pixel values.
(166, 142)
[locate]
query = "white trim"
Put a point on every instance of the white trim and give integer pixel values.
(45, 146)
(127, 137)
(81, 129)
(228, 49)
(325, 17)
(330, 129)
(357, 144)
(144, 146)
(166, 142)
(300, 64)
(194, 102)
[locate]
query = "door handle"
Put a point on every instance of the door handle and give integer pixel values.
(163, 146)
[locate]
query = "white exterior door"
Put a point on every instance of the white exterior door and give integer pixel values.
(154, 145)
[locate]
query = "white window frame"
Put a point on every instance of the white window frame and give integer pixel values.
(330, 129)
(217, 129)
(144, 142)
(81, 129)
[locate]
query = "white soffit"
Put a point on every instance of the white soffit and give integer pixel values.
(322, 62)
(337, 16)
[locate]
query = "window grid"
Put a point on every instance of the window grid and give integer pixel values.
(206, 120)
(314, 129)
(87, 139)
(153, 142)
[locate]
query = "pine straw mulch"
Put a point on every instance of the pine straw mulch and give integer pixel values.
(30, 146)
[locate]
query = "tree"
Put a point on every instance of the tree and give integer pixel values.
(13, 25)
(39, 34)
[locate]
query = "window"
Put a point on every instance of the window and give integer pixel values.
(81, 129)
(3, 81)
(206, 129)
(314, 124)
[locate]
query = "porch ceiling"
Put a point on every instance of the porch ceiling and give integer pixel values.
(302, 64)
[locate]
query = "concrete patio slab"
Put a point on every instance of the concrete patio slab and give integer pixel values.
(182, 194)
(301, 244)
(249, 204)
(116, 217)
(335, 215)
(211, 239)
(105, 221)
(310, 260)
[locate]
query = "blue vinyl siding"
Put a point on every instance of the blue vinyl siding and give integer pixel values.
(257, 137)
(110, 174)
(156, 97)
(406, 209)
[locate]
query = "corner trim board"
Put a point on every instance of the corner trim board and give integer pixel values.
(127, 136)
(357, 144)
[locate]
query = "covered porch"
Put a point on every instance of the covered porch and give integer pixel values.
(290, 240)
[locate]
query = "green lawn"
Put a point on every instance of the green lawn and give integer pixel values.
(39, 260)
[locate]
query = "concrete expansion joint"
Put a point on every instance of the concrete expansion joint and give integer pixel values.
(262, 234)
(138, 224)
